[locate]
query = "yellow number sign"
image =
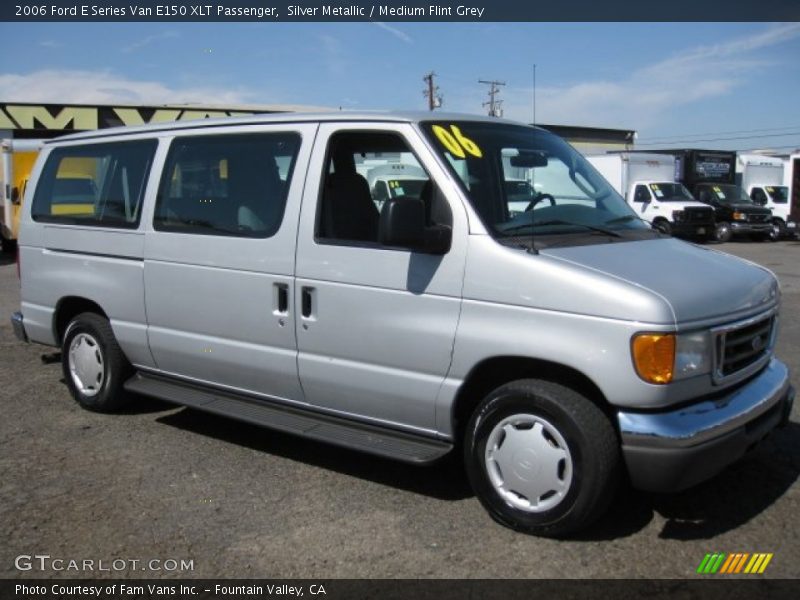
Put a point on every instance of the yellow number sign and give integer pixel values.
(456, 142)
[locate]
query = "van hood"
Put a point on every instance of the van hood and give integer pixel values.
(698, 283)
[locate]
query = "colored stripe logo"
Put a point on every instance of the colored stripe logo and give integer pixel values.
(737, 562)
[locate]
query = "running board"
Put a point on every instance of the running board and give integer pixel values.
(363, 437)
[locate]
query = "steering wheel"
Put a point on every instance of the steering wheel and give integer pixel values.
(538, 199)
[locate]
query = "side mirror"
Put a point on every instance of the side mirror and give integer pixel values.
(15, 195)
(402, 225)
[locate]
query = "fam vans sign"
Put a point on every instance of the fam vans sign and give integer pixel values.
(55, 117)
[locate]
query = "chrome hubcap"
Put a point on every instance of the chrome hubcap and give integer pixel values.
(528, 463)
(86, 365)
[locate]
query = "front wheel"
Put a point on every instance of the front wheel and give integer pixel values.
(776, 232)
(93, 363)
(662, 226)
(7, 246)
(723, 232)
(541, 458)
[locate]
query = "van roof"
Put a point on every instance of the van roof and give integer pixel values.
(321, 117)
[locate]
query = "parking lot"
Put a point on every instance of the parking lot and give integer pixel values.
(167, 483)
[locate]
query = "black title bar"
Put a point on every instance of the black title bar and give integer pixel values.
(385, 589)
(410, 10)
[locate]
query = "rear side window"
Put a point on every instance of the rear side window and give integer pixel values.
(96, 184)
(234, 185)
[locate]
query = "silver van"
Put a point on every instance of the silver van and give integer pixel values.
(242, 267)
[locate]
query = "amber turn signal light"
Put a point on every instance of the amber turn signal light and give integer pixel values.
(654, 356)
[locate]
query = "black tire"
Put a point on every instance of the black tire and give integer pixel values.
(590, 439)
(96, 343)
(7, 246)
(723, 232)
(776, 233)
(662, 226)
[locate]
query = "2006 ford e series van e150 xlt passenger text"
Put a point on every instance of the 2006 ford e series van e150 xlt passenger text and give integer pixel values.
(244, 267)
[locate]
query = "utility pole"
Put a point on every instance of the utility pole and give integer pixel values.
(534, 94)
(494, 104)
(432, 92)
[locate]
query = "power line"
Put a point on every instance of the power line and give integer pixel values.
(493, 103)
(722, 139)
(795, 147)
(688, 135)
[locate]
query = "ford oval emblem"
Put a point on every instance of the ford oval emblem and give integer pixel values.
(757, 343)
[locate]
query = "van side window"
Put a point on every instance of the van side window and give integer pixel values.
(97, 184)
(233, 185)
(363, 170)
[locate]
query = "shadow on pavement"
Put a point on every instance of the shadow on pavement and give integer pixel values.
(444, 480)
(734, 497)
(729, 500)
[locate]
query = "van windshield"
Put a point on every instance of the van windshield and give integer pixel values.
(526, 182)
(723, 193)
(670, 192)
(778, 193)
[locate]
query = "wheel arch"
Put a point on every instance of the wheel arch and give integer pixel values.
(68, 308)
(493, 372)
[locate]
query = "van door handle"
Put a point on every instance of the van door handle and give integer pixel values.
(282, 298)
(307, 301)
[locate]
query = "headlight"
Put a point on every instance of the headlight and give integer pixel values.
(737, 216)
(692, 354)
(677, 215)
(663, 357)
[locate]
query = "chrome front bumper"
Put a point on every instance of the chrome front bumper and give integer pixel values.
(745, 227)
(669, 451)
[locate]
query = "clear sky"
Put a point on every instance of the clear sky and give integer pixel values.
(685, 83)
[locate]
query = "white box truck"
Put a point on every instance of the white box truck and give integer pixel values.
(648, 184)
(16, 161)
(791, 179)
(762, 178)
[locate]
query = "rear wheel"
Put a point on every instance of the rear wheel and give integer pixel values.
(93, 363)
(541, 458)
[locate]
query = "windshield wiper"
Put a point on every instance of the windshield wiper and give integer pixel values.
(594, 228)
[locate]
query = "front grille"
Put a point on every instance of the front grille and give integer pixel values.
(699, 215)
(757, 218)
(742, 345)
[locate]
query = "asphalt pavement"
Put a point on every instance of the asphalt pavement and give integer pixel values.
(226, 499)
